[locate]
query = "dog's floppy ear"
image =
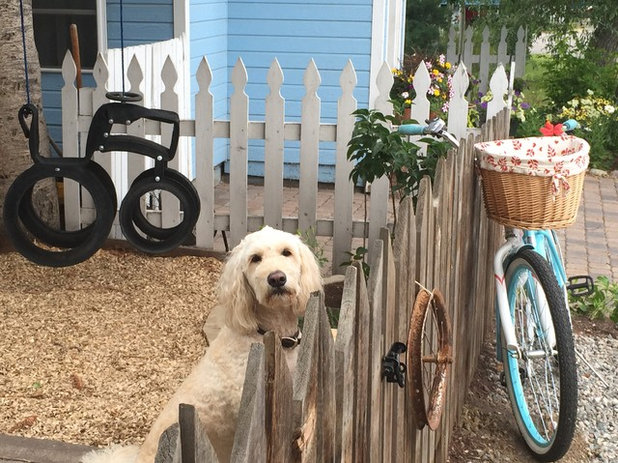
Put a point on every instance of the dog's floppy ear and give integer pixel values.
(310, 278)
(235, 295)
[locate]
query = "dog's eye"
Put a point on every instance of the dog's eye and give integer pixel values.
(286, 252)
(256, 258)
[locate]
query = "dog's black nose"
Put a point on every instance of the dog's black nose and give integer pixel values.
(277, 279)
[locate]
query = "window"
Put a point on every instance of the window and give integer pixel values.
(52, 19)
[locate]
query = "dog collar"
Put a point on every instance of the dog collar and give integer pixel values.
(287, 342)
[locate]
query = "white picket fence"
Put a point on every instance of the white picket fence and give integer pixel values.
(79, 106)
(479, 63)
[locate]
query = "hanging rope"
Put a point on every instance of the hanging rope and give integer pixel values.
(121, 46)
(23, 39)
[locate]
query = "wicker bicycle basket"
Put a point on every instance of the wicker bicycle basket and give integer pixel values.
(541, 198)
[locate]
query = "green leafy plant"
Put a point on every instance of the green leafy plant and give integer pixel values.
(379, 151)
(309, 237)
(358, 256)
(602, 303)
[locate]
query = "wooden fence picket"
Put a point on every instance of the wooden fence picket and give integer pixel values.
(274, 121)
(344, 189)
(239, 142)
(250, 439)
(309, 149)
(345, 372)
(204, 148)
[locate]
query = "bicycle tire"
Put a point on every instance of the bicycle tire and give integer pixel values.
(131, 202)
(54, 236)
(547, 435)
(23, 240)
(142, 223)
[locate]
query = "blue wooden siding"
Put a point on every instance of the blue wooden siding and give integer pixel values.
(144, 21)
(330, 32)
(208, 29)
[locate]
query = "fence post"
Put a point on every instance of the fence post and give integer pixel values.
(239, 124)
(309, 149)
(274, 121)
(344, 188)
(204, 148)
(70, 137)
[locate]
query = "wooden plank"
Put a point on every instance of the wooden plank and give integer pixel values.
(250, 440)
(345, 386)
(273, 148)
(204, 149)
(344, 188)
(374, 354)
(170, 204)
(168, 450)
(194, 444)
(306, 395)
(309, 149)
(326, 389)
(70, 140)
(389, 336)
(239, 116)
(361, 452)
(404, 246)
(279, 422)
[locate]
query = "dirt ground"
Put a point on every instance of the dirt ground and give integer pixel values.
(77, 348)
(77, 344)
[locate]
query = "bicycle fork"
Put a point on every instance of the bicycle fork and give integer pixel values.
(503, 311)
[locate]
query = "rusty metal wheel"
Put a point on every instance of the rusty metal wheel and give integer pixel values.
(429, 357)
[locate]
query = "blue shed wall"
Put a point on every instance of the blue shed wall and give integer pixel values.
(208, 29)
(331, 32)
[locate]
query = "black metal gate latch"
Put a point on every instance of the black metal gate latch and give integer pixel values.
(392, 369)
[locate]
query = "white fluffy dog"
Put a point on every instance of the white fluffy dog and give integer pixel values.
(265, 286)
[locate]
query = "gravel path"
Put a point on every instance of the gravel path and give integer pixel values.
(598, 409)
(487, 431)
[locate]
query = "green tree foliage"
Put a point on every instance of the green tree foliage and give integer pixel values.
(427, 24)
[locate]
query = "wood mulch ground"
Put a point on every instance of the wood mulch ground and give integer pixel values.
(89, 354)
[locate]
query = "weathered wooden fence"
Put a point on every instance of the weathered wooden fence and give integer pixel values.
(335, 406)
(479, 63)
(80, 105)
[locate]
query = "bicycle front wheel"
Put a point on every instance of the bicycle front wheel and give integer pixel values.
(542, 382)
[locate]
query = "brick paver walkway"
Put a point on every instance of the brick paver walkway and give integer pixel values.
(590, 245)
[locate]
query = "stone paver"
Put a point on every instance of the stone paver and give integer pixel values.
(590, 245)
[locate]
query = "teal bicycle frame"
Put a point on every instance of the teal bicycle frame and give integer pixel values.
(543, 242)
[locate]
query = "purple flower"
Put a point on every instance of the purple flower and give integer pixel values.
(525, 105)
(484, 105)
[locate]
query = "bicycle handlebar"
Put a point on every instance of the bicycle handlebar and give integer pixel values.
(435, 127)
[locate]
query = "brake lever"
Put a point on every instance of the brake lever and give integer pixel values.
(437, 127)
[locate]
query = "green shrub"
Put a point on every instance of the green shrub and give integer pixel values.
(602, 303)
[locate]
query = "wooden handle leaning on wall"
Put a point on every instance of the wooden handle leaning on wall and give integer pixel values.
(75, 53)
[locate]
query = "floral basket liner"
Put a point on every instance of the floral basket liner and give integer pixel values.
(558, 157)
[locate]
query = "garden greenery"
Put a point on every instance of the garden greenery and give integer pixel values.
(602, 303)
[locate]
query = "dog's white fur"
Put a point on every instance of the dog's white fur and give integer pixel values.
(214, 387)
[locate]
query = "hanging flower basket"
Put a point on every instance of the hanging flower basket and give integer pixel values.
(535, 182)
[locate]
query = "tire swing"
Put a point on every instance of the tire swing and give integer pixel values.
(429, 357)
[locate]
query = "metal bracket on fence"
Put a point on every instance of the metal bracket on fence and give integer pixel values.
(392, 369)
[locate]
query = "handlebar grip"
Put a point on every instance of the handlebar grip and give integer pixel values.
(412, 129)
(570, 125)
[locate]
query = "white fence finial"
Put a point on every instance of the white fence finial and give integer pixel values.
(458, 105)
(384, 82)
(499, 85)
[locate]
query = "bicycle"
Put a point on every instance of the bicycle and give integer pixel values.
(535, 340)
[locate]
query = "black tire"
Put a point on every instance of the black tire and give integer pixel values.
(547, 434)
(131, 203)
(57, 237)
(142, 222)
(27, 245)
